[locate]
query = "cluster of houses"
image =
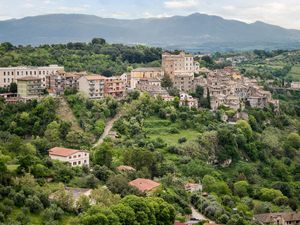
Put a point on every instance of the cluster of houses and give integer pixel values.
(225, 86)
(229, 88)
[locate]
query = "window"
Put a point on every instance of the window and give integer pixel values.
(74, 163)
(4, 80)
(4, 73)
(79, 162)
(70, 157)
(12, 73)
(79, 155)
(84, 161)
(74, 156)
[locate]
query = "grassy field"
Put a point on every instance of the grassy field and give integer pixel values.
(294, 74)
(159, 128)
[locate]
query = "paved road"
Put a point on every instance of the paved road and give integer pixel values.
(107, 129)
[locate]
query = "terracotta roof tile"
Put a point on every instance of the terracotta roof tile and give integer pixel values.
(59, 151)
(144, 184)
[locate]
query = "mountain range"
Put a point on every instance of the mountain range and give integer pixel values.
(196, 32)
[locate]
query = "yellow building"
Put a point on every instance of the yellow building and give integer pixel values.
(29, 87)
(148, 72)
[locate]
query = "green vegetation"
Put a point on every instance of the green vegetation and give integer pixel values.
(247, 167)
(294, 73)
(96, 56)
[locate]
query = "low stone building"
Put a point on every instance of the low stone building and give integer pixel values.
(187, 100)
(184, 82)
(283, 218)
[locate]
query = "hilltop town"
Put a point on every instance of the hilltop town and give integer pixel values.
(98, 133)
(224, 87)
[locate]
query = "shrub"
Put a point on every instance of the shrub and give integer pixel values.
(182, 140)
(34, 204)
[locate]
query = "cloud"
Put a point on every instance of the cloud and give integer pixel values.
(181, 4)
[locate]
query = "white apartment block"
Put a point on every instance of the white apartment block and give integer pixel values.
(9, 75)
(72, 156)
(93, 86)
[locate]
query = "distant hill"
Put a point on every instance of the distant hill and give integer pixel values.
(193, 32)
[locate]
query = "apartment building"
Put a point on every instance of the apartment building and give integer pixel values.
(93, 86)
(72, 156)
(114, 86)
(29, 87)
(9, 75)
(97, 86)
(148, 72)
(60, 81)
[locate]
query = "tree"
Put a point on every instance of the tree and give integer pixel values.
(103, 196)
(269, 194)
(83, 204)
(13, 88)
(208, 99)
(118, 184)
(53, 213)
(34, 204)
(52, 132)
(241, 188)
(99, 41)
(166, 81)
(103, 155)
(125, 213)
(199, 92)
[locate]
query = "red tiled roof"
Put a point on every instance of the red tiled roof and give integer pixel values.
(62, 151)
(144, 184)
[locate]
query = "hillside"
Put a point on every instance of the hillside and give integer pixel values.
(194, 32)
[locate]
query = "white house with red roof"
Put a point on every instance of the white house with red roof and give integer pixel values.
(72, 156)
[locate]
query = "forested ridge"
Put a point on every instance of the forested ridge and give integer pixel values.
(96, 56)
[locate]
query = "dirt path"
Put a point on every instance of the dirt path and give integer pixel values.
(65, 113)
(197, 215)
(107, 129)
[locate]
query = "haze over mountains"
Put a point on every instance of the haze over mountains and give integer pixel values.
(193, 32)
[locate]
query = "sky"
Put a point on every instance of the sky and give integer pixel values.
(285, 13)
